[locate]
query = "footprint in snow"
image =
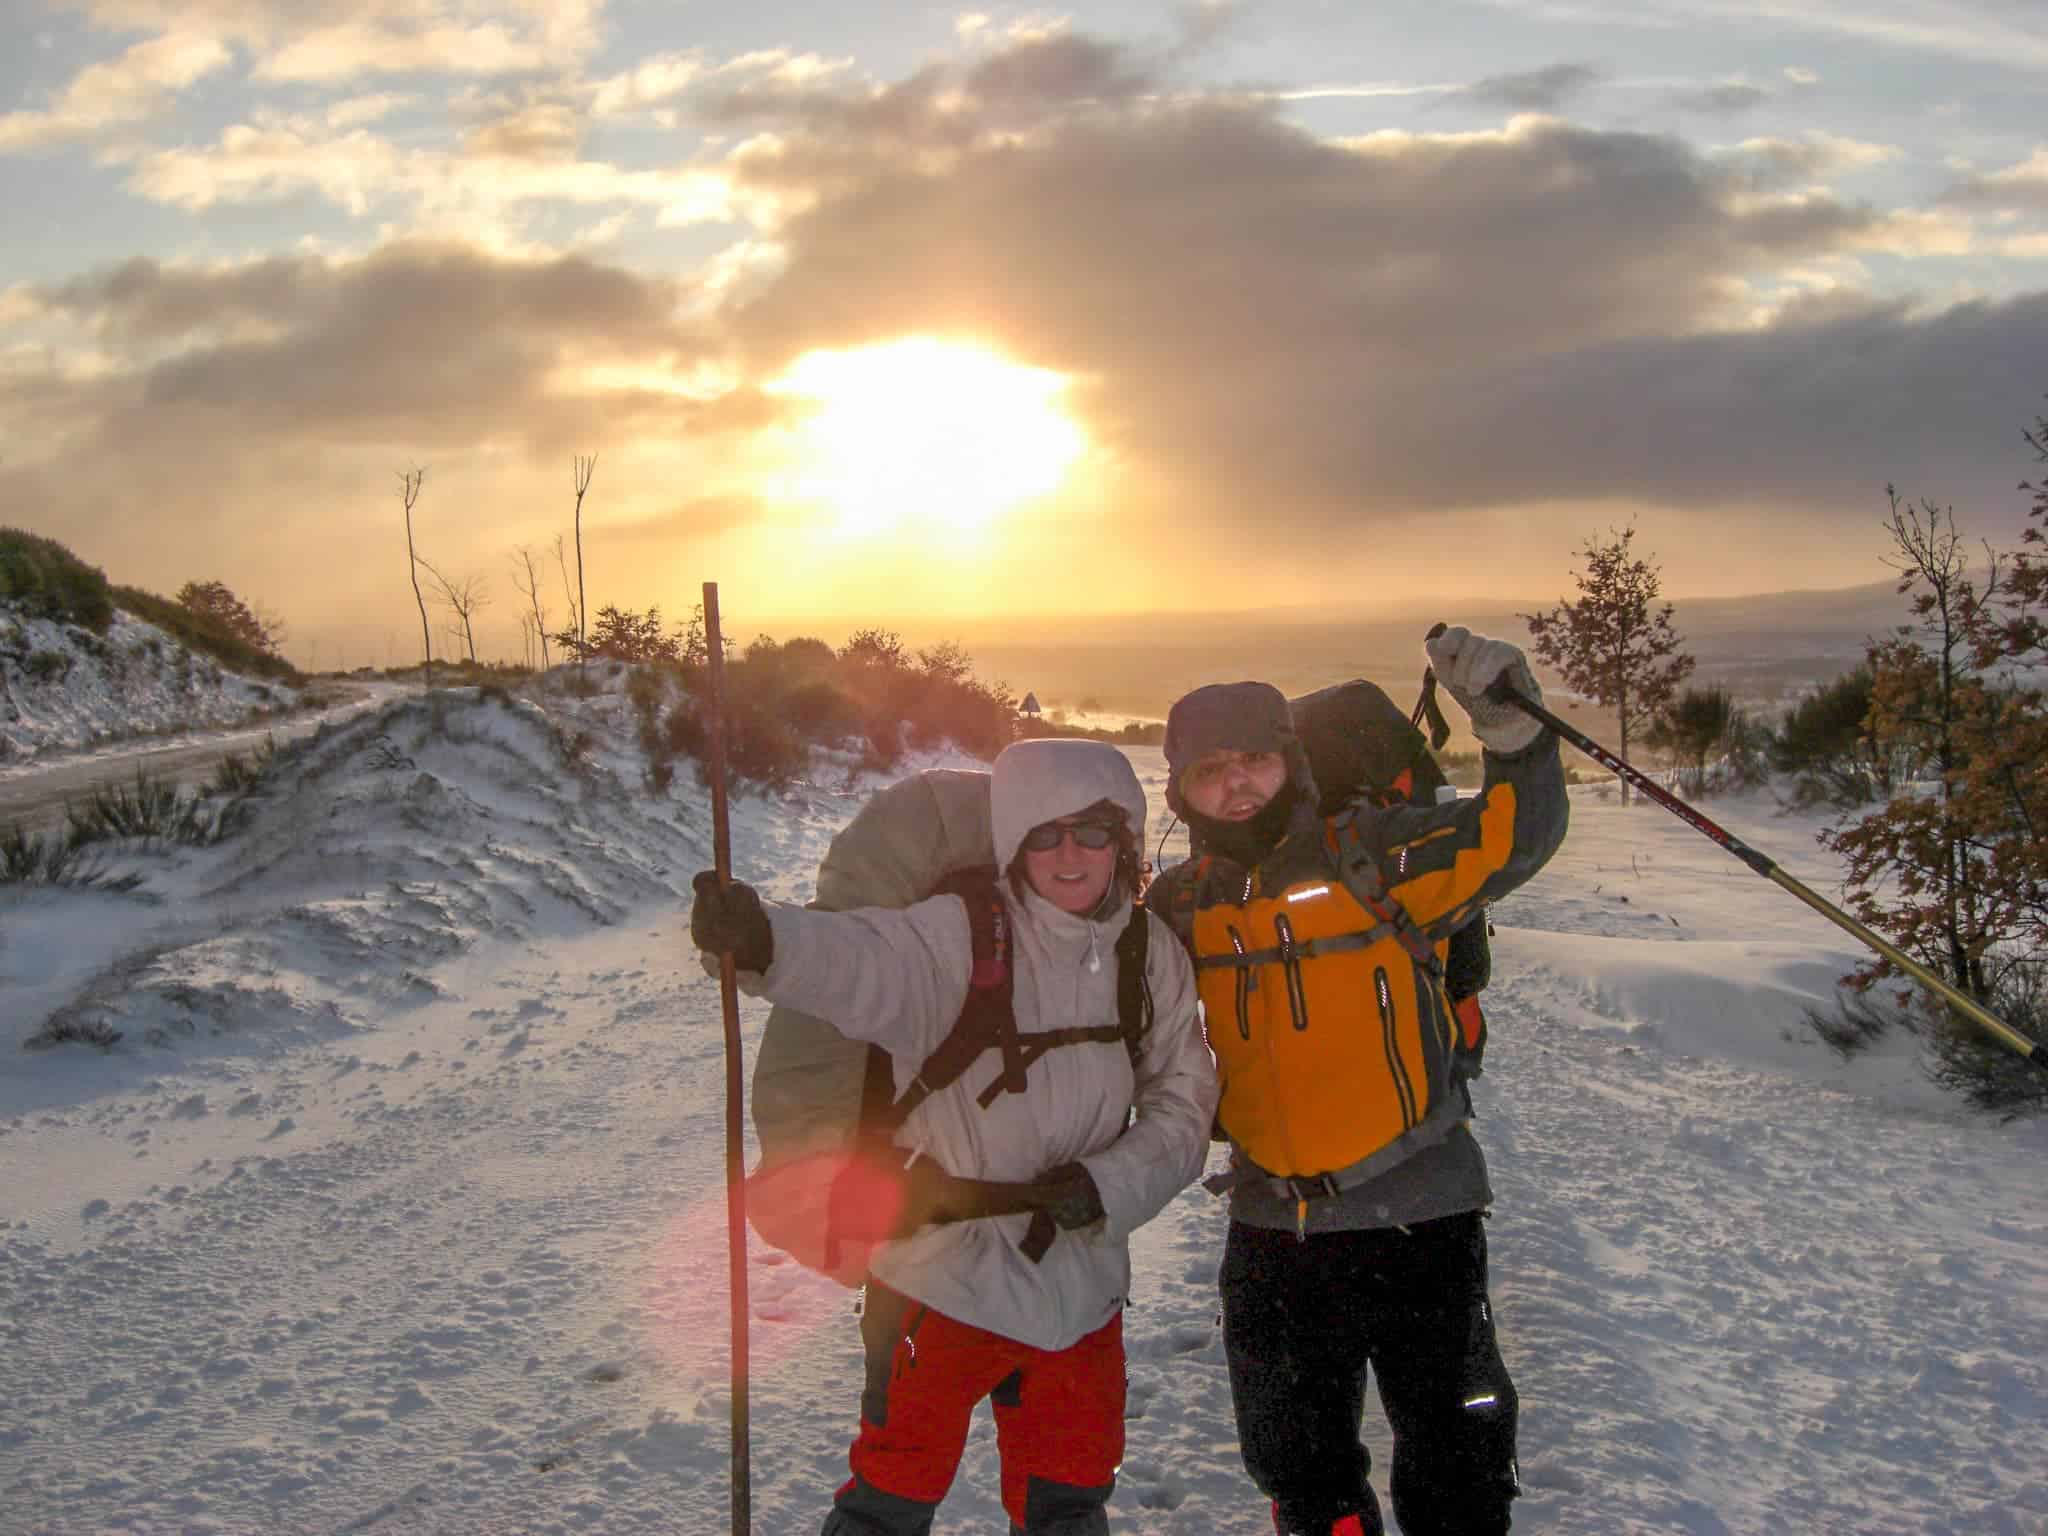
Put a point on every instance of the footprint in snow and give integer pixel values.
(1138, 1397)
(1182, 1339)
(561, 1446)
(1168, 1493)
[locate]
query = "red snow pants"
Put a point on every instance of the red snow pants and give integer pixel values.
(1059, 1418)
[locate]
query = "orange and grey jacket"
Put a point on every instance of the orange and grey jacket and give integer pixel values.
(1321, 976)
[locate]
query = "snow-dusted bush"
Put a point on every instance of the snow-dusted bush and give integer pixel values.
(33, 859)
(1824, 746)
(782, 700)
(153, 810)
(1957, 877)
(42, 579)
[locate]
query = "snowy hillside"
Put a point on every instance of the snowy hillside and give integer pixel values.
(399, 1207)
(63, 687)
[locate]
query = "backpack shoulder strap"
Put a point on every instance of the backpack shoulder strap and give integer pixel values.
(988, 1017)
(1134, 1007)
(1174, 895)
(1363, 878)
(1427, 708)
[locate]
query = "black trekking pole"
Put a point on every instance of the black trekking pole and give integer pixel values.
(2027, 1049)
(735, 1141)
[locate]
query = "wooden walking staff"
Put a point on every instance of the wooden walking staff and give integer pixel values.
(735, 1140)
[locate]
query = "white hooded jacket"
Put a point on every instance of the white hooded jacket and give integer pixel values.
(898, 979)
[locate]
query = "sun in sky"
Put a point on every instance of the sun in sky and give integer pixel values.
(925, 433)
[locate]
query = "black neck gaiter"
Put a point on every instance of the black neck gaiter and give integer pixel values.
(1249, 841)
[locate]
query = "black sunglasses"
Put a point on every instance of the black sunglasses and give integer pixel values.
(1092, 835)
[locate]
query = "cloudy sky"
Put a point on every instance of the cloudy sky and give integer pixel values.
(901, 311)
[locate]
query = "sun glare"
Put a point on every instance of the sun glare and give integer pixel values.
(923, 432)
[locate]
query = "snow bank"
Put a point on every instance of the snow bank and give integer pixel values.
(375, 850)
(460, 1269)
(380, 848)
(63, 687)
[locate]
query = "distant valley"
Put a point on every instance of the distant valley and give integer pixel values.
(1764, 647)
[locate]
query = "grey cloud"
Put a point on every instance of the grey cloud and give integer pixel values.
(435, 345)
(1774, 161)
(906, 110)
(1064, 67)
(2003, 192)
(1200, 24)
(1539, 90)
(1818, 413)
(1443, 323)
(1029, 81)
(1721, 100)
(142, 300)
(540, 130)
(1215, 234)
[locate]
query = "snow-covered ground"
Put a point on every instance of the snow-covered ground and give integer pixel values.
(63, 688)
(399, 1208)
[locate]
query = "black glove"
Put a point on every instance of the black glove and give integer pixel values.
(1069, 1196)
(730, 918)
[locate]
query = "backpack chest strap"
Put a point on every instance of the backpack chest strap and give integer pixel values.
(1306, 949)
(1039, 1042)
(988, 1017)
(1363, 878)
(1434, 1127)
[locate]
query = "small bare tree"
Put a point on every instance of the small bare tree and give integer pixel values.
(463, 599)
(585, 468)
(529, 588)
(569, 594)
(410, 482)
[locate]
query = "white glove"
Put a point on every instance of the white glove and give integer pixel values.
(1467, 665)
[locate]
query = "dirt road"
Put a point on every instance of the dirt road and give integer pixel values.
(33, 795)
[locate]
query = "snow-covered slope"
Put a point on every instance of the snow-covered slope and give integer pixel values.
(62, 687)
(420, 1226)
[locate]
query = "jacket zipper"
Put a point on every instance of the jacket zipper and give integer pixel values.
(1243, 975)
(1404, 1090)
(1290, 965)
(1270, 1038)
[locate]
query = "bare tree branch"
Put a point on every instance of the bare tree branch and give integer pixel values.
(585, 468)
(569, 593)
(410, 482)
(530, 589)
(463, 599)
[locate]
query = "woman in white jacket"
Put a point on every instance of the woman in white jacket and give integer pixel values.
(962, 1311)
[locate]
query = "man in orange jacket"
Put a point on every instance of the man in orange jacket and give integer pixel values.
(1357, 1188)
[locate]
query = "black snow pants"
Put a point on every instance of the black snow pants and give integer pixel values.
(1306, 1320)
